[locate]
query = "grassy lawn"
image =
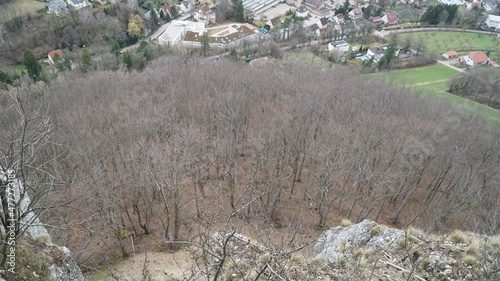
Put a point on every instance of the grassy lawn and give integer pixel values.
(10, 69)
(435, 78)
(463, 42)
(19, 8)
(432, 77)
(304, 57)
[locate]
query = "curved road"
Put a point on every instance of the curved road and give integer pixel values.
(422, 29)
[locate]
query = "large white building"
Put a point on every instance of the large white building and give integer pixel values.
(177, 30)
(258, 6)
(78, 4)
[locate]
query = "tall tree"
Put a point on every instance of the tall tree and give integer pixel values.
(85, 60)
(205, 44)
(238, 10)
(32, 65)
(135, 26)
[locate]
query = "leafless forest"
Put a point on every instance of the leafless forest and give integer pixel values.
(183, 149)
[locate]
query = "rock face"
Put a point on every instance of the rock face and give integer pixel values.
(66, 269)
(333, 246)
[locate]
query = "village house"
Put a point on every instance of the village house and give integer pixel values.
(356, 13)
(301, 12)
(377, 20)
(474, 59)
(338, 19)
(378, 52)
(340, 45)
(391, 18)
(53, 58)
(57, 7)
(450, 55)
(78, 4)
(204, 14)
(272, 22)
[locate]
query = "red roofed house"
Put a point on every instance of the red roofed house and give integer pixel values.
(391, 18)
(53, 53)
(167, 9)
(377, 20)
(494, 64)
(474, 58)
(450, 55)
(204, 14)
(356, 13)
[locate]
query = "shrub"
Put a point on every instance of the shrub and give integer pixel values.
(345, 223)
(469, 260)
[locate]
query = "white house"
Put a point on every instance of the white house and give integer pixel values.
(493, 22)
(301, 12)
(204, 14)
(356, 13)
(272, 22)
(340, 45)
(78, 4)
(378, 52)
(474, 58)
(57, 7)
(52, 56)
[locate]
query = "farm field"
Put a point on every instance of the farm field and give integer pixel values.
(462, 42)
(434, 78)
(19, 8)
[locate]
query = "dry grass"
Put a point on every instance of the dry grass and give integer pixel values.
(345, 223)
(19, 8)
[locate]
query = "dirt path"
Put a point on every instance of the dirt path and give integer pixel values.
(430, 82)
(449, 63)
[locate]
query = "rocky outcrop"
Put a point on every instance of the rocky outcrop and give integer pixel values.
(63, 267)
(335, 244)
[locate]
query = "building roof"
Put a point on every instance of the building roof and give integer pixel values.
(314, 27)
(301, 9)
(240, 32)
(312, 4)
(451, 53)
(204, 10)
(58, 51)
(177, 27)
(376, 20)
(357, 11)
(274, 20)
(392, 17)
(478, 57)
(54, 5)
(77, 1)
(494, 64)
(378, 50)
(251, 27)
(259, 61)
(324, 21)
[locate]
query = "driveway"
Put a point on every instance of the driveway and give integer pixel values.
(449, 63)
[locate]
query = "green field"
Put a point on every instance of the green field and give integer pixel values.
(19, 8)
(11, 69)
(435, 78)
(443, 41)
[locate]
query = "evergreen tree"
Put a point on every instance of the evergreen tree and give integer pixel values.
(128, 60)
(205, 44)
(174, 12)
(32, 65)
(238, 11)
(85, 60)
